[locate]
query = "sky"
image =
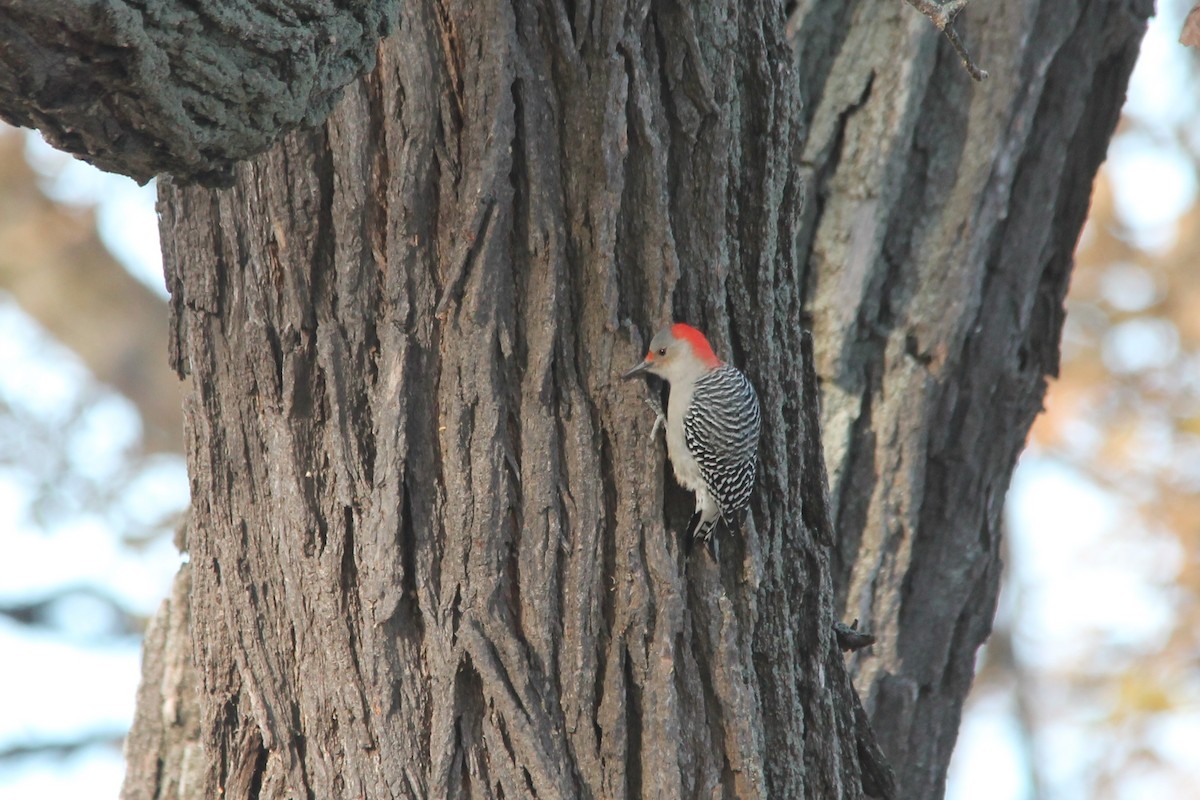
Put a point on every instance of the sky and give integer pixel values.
(83, 678)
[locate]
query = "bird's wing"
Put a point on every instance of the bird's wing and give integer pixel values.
(721, 427)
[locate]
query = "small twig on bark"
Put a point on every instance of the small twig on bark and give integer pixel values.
(942, 15)
(850, 638)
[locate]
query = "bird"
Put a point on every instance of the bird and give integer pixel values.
(713, 423)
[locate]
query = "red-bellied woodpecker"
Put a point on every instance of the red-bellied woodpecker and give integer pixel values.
(713, 422)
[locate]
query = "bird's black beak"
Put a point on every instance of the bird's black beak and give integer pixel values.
(638, 370)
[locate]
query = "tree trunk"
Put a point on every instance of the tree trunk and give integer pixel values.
(434, 551)
(429, 547)
(939, 246)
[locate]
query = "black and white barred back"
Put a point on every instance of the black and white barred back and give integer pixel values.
(721, 428)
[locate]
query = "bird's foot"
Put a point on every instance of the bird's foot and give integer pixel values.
(659, 418)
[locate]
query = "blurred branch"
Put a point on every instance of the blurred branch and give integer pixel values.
(63, 747)
(40, 612)
(53, 263)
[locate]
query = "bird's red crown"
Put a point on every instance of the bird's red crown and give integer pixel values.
(700, 346)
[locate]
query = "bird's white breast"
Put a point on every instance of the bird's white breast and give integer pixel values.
(687, 470)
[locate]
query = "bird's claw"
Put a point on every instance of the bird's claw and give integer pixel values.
(659, 418)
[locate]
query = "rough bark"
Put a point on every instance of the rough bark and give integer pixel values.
(938, 248)
(434, 552)
(163, 752)
(430, 551)
(141, 87)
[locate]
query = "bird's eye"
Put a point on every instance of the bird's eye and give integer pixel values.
(662, 351)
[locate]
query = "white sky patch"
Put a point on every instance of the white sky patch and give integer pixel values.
(1078, 584)
(1129, 287)
(128, 225)
(125, 215)
(102, 436)
(1140, 344)
(65, 681)
(1153, 184)
(161, 484)
(1068, 757)
(85, 553)
(1153, 180)
(35, 370)
(1159, 78)
(94, 773)
(987, 763)
(1177, 735)
(1057, 513)
(51, 689)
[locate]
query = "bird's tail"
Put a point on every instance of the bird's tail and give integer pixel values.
(706, 532)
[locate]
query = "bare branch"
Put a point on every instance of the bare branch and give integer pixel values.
(39, 612)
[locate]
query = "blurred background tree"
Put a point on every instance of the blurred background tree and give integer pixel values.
(92, 478)
(1089, 686)
(1087, 689)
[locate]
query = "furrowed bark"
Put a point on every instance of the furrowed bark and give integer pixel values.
(431, 551)
(939, 246)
